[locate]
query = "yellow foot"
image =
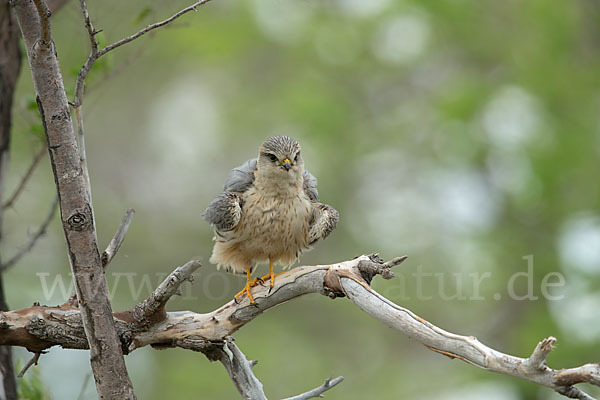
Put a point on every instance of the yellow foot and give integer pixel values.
(271, 278)
(246, 289)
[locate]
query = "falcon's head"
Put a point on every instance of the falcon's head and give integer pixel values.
(279, 158)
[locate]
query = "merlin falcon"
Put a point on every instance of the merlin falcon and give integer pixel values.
(269, 211)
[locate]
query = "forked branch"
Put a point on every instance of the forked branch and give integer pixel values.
(39, 328)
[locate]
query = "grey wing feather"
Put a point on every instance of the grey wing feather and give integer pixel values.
(225, 211)
(324, 221)
(241, 178)
(310, 186)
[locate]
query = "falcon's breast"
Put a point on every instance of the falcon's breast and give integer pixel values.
(273, 227)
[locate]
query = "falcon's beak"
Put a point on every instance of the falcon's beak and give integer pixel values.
(287, 164)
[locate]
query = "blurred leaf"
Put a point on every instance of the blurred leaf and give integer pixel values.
(101, 38)
(37, 130)
(30, 387)
(142, 15)
(32, 104)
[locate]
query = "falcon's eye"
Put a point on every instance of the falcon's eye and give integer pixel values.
(296, 158)
(272, 157)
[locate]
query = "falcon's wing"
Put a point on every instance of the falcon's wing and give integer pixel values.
(241, 178)
(323, 222)
(225, 211)
(310, 186)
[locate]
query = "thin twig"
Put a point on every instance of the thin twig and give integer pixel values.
(36, 160)
(44, 13)
(89, 63)
(89, 27)
(32, 361)
(117, 240)
(96, 53)
(34, 239)
(147, 29)
(318, 392)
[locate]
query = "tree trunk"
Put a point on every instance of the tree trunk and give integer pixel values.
(106, 356)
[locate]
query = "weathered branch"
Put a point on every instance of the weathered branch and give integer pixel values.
(318, 392)
(117, 240)
(33, 239)
(36, 160)
(468, 348)
(39, 328)
(144, 312)
(238, 367)
(106, 357)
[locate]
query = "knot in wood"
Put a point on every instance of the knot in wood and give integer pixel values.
(78, 221)
(61, 116)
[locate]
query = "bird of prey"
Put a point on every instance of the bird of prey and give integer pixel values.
(268, 212)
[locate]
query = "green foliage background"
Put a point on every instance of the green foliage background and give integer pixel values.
(465, 134)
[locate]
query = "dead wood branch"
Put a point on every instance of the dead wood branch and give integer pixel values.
(318, 392)
(238, 367)
(43, 327)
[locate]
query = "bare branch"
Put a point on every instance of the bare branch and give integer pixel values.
(33, 239)
(239, 369)
(117, 240)
(32, 361)
(468, 348)
(144, 311)
(89, 63)
(88, 25)
(317, 392)
(48, 326)
(36, 160)
(152, 27)
(574, 393)
(96, 53)
(45, 14)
